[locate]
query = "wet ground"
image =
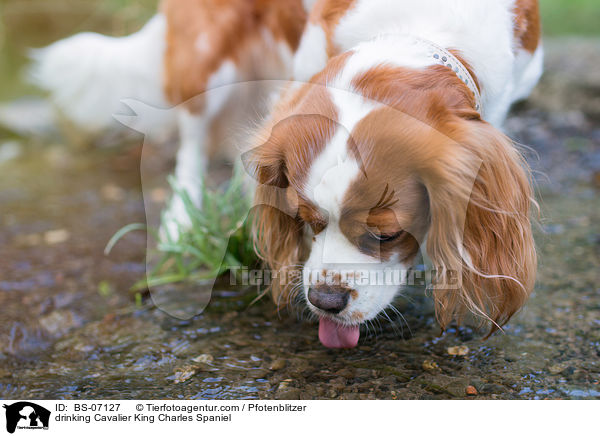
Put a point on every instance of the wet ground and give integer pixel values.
(70, 329)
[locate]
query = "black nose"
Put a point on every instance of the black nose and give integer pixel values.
(329, 299)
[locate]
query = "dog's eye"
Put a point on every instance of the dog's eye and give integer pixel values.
(383, 237)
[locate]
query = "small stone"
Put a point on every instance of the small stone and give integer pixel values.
(347, 373)
(461, 350)
(203, 358)
(430, 365)
(557, 368)
(288, 393)
(184, 374)
(338, 383)
(112, 192)
(159, 195)
(59, 322)
(278, 364)
(470, 390)
(58, 236)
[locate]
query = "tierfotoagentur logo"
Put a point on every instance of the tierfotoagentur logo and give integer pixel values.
(26, 416)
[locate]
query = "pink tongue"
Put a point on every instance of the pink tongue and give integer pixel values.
(334, 335)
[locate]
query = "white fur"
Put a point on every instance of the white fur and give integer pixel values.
(529, 68)
(192, 158)
(311, 56)
(308, 4)
(87, 75)
(190, 167)
(333, 169)
(328, 181)
(482, 30)
(356, 269)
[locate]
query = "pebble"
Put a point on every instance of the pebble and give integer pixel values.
(284, 385)
(338, 383)
(460, 350)
(471, 390)
(557, 368)
(58, 236)
(278, 364)
(288, 394)
(347, 373)
(430, 365)
(59, 322)
(184, 374)
(203, 358)
(159, 195)
(112, 192)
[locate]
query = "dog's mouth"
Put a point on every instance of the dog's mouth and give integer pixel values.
(333, 334)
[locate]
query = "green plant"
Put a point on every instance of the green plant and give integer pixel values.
(218, 240)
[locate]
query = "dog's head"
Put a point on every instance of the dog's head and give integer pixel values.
(355, 177)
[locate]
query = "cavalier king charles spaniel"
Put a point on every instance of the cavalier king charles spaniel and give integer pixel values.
(384, 140)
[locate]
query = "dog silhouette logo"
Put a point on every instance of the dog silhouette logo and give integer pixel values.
(26, 415)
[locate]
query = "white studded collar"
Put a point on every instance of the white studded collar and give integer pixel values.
(441, 56)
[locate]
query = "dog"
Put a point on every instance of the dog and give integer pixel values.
(187, 57)
(387, 140)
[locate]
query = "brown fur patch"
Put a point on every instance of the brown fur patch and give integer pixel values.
(295, 136)
(358, 317)
(311, 215)
(406, 89)
(327, 14)
(202, 34)
(477, 201)
(527, 24)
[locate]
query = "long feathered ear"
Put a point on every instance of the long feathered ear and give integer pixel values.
(480, 230)
(277, 230)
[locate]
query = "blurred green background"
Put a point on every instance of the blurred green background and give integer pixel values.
(34, 23)
(570, 17)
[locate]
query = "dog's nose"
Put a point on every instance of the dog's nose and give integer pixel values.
(329, 299)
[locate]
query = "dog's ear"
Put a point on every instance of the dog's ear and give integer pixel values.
(480, 229)
(277, 229)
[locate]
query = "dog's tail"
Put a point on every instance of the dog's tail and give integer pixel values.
(87, 75)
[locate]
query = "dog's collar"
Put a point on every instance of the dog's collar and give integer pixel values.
(441, 56)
